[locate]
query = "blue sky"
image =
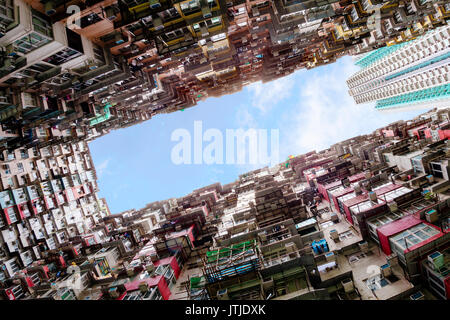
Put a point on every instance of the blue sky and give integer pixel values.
(311, 109)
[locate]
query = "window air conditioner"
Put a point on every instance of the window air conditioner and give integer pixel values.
(334, 235)
(157, 23)
(206, 11)
(290, 247)
(348, 285)
(143, 286)
(436, 259)
(393, 206)
(386, 270)
(262, 236)
(222, 294)
(49, 8)
(155, 4)
(110, 13)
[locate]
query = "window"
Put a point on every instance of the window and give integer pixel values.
(172, 35)
(412, 236)
(436, 170)
(41, 25)
(6, 14)
(30, 42)
(89, 19)
(133, 296)
(218, 37)
(421, 235)
(214, 21)
(133, 3)
(14, 267)
(190, 7)
(62, 56)
(354, 14)
(169, 14)
(417, 164)
(413, 239)
(152, 294)
(23, 154)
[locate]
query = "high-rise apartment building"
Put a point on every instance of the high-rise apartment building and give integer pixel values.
(407, 75)
(307, 228)
(49, 206)
(73, 71)
(100, 65)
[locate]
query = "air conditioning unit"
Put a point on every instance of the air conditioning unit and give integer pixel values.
(154, 4)
(130, 272)
(330, 256)
(157, 23)
(204, 31)
(143, 286)
(348, 285)
(267, 285)
(150, 268)
(386, 270)
(334, 235)
(110, 13)
(290, 247)
(345, 182)
(262, 236)
(206, 11)
(431, 216)
(119, 38)
(363, 246)
(334, 217)
(392, 259)
(436, 259)
(222, 294)
(113, 293)
(393, 206)
(49, 8)
(154, 257)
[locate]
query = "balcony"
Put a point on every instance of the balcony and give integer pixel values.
(190, 8)
(238, 259)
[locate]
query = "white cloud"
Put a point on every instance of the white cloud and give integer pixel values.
(217, 171)
(267, 95)
(245, 119)
(102, 168)
(326, 113)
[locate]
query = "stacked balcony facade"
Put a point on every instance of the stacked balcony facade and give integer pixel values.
(103, 65)
(413, 74)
